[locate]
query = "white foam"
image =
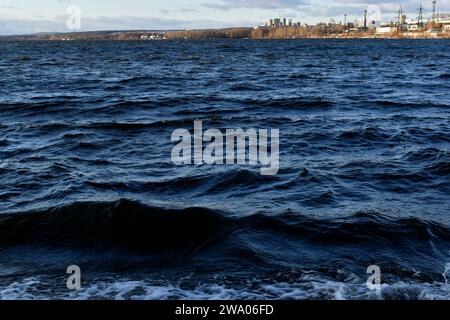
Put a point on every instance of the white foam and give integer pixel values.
(23, 290)
(310, 285)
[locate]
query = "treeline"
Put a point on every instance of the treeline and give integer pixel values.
(262, 33)
(302, 32)
(318, 31)
(82, 36)
(233, 33)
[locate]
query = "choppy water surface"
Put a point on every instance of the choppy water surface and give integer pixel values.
(86, 176)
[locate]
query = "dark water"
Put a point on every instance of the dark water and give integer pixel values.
(86, 176)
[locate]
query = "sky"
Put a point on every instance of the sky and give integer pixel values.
(30, 16)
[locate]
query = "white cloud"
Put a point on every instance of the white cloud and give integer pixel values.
(58, 24)
(254, 4)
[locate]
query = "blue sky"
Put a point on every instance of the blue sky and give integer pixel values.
(30, 16)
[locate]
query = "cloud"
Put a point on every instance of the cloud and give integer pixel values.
(187, 10)
(393, 5)
(58, 24)
(12, 26)
(254, 4)
(9, 7)
(324, 9)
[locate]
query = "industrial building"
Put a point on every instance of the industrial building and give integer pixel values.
(370, 21)
(438, 21)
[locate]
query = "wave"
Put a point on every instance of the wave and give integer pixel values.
(427, 155)
(41, 106)
(122, 126)
(440, 168)
(240, 179)
(149, 229)
(173, 185)
(436, 162)
(59, 104)
(246, 87)
(289, 103)
(365, 134)
(300, 287)
(301, 76)
(406, 105)
(4, 142)
(149, 79)
(212, 118)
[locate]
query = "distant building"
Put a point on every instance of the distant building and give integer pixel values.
(153, 36)
(443, 20)
(386, 28)
(412, 25)
(350, 25)
(370, 21)
(279, 23)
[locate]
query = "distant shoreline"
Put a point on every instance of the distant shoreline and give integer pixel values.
(229, 33)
